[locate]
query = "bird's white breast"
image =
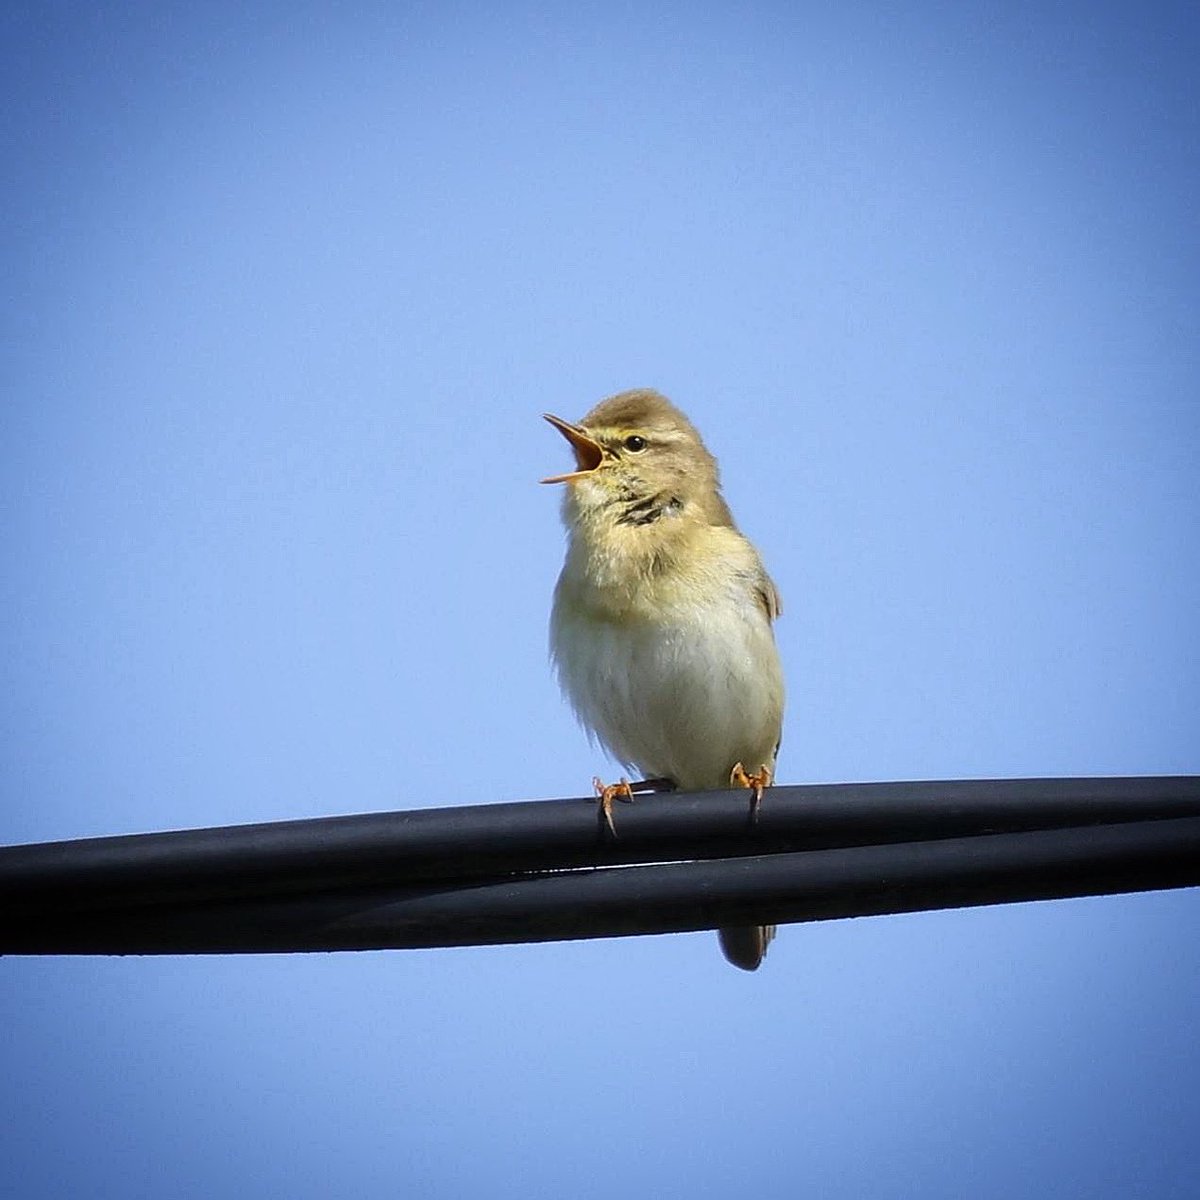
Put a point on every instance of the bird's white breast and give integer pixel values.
(683, 686)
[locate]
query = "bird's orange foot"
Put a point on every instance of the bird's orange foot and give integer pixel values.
(757, 781)
(606, 793)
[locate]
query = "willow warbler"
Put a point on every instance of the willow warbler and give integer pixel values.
(661, 631)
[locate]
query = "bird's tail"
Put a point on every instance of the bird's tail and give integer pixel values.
(746, 945)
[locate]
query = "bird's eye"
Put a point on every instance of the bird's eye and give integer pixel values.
(634, 443)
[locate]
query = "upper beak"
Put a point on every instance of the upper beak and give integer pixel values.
(589, 454)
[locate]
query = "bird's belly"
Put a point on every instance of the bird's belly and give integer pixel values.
(684, 698)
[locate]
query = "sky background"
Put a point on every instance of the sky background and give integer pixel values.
(285, 289)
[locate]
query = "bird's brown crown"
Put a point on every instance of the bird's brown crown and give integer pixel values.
(640, 409)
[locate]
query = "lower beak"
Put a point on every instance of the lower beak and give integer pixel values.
(589, 454)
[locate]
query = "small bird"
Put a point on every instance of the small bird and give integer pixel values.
(661, 630)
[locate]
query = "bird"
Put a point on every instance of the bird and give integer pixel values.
(662, 624)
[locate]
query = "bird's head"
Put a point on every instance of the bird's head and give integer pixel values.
(637, 459)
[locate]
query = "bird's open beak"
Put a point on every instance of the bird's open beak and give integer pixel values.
(589, 454)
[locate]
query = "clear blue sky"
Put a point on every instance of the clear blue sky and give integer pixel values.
(285, 289)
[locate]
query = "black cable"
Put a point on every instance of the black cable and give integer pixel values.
(548, 869)
(491, 840)
(616, 901)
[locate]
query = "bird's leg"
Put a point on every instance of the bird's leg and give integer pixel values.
(756, 781)
(606, 793)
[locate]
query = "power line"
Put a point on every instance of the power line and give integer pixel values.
(543, 870)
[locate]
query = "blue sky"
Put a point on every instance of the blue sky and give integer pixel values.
(285, 289)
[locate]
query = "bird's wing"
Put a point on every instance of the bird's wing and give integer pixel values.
(768, 593)
(752, 575)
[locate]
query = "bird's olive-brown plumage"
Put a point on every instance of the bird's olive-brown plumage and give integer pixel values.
(661, 627)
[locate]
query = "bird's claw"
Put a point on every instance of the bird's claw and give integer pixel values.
(757, 781)
(606, 793)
